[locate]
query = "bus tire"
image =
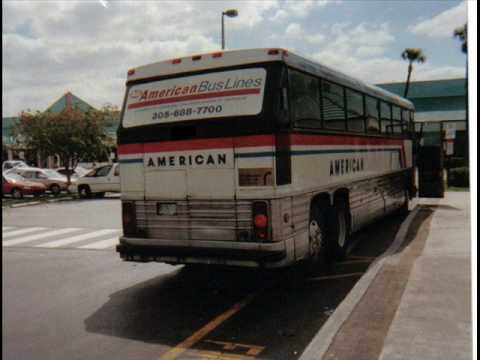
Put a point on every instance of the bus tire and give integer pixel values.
(318, 244)
(340, 228)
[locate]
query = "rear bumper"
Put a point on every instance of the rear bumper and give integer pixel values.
(199, 251)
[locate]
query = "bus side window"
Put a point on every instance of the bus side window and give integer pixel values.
(371, 106)
(333, 105)
(355, 114)
(386, 118)
(397, 120)
(304, 100)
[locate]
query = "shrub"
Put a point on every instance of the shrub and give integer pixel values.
(459, 177)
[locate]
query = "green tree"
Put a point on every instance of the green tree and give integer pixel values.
(412, 55)
(72, 135)
(4, 152)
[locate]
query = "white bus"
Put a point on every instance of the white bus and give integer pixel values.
(257, 158)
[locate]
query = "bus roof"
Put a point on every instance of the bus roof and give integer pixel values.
(223, 59)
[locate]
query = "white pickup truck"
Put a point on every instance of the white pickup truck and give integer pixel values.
(98, 181)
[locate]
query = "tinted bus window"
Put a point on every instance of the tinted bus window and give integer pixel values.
(333, 104)
(371, 107)
(304, 100)
(355, 114)
(386, 117)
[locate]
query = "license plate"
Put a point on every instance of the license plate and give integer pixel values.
(168, 209)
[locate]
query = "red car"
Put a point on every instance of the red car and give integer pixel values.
(17, 186)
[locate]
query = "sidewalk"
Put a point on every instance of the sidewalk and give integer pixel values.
(416, 301)
(434, 318)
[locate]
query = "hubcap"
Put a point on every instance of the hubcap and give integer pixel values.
(315, 235)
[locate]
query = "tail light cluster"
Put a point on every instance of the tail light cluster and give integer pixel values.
(129, 218)
(260, 220)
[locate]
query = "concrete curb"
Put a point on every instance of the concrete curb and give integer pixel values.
(322, 340)
(31, 203)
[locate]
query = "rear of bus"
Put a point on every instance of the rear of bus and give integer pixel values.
(197, 145)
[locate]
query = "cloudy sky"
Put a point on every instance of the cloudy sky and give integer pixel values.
(86, 47)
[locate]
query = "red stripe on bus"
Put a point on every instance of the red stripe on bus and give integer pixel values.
(200, 144)
(127, 149)
(251, 141)
(194, 97)
(300, 139)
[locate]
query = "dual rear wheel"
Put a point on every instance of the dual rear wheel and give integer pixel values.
(328, 229)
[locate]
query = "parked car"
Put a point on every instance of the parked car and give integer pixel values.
(98, 181)
(10, 164)
(17, 186)
(74, 173)
(54, 181)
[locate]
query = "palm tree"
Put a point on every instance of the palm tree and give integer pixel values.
(412, 55)
(462, 34)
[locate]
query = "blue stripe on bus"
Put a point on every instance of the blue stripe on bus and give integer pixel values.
(315, 152)
(294, 152)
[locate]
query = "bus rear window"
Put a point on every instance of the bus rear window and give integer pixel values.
(205, 96)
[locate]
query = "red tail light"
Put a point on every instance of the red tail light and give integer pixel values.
(176, 61)
(131, 72)
(129, 218)
(273, 52)
(260, 220)
(217, 55)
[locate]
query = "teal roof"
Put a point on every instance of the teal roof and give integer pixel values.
(429, 89)
(68, 100)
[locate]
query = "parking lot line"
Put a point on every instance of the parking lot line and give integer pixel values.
(44, 235)
(186, 344)
(102, 244)
(21, 232)
(73, 239)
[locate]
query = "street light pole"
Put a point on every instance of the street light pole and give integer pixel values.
(229, 13)
(223, 30)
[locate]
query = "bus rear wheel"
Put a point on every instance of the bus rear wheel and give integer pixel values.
(317, 239)
(340, 228)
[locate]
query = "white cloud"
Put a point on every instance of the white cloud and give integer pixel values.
(443, 24)
(315, 38)
(294, 31)
(360, 52)
(298, 9)
(86, 48)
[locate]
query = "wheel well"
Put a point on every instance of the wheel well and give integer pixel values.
(54, 184)
(322, 199)
(342, 195)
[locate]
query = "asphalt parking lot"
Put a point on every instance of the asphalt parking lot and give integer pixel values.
(66, 296)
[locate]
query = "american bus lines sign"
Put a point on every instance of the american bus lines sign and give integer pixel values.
(219, 94)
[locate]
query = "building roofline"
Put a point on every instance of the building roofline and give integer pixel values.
(420, 81)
